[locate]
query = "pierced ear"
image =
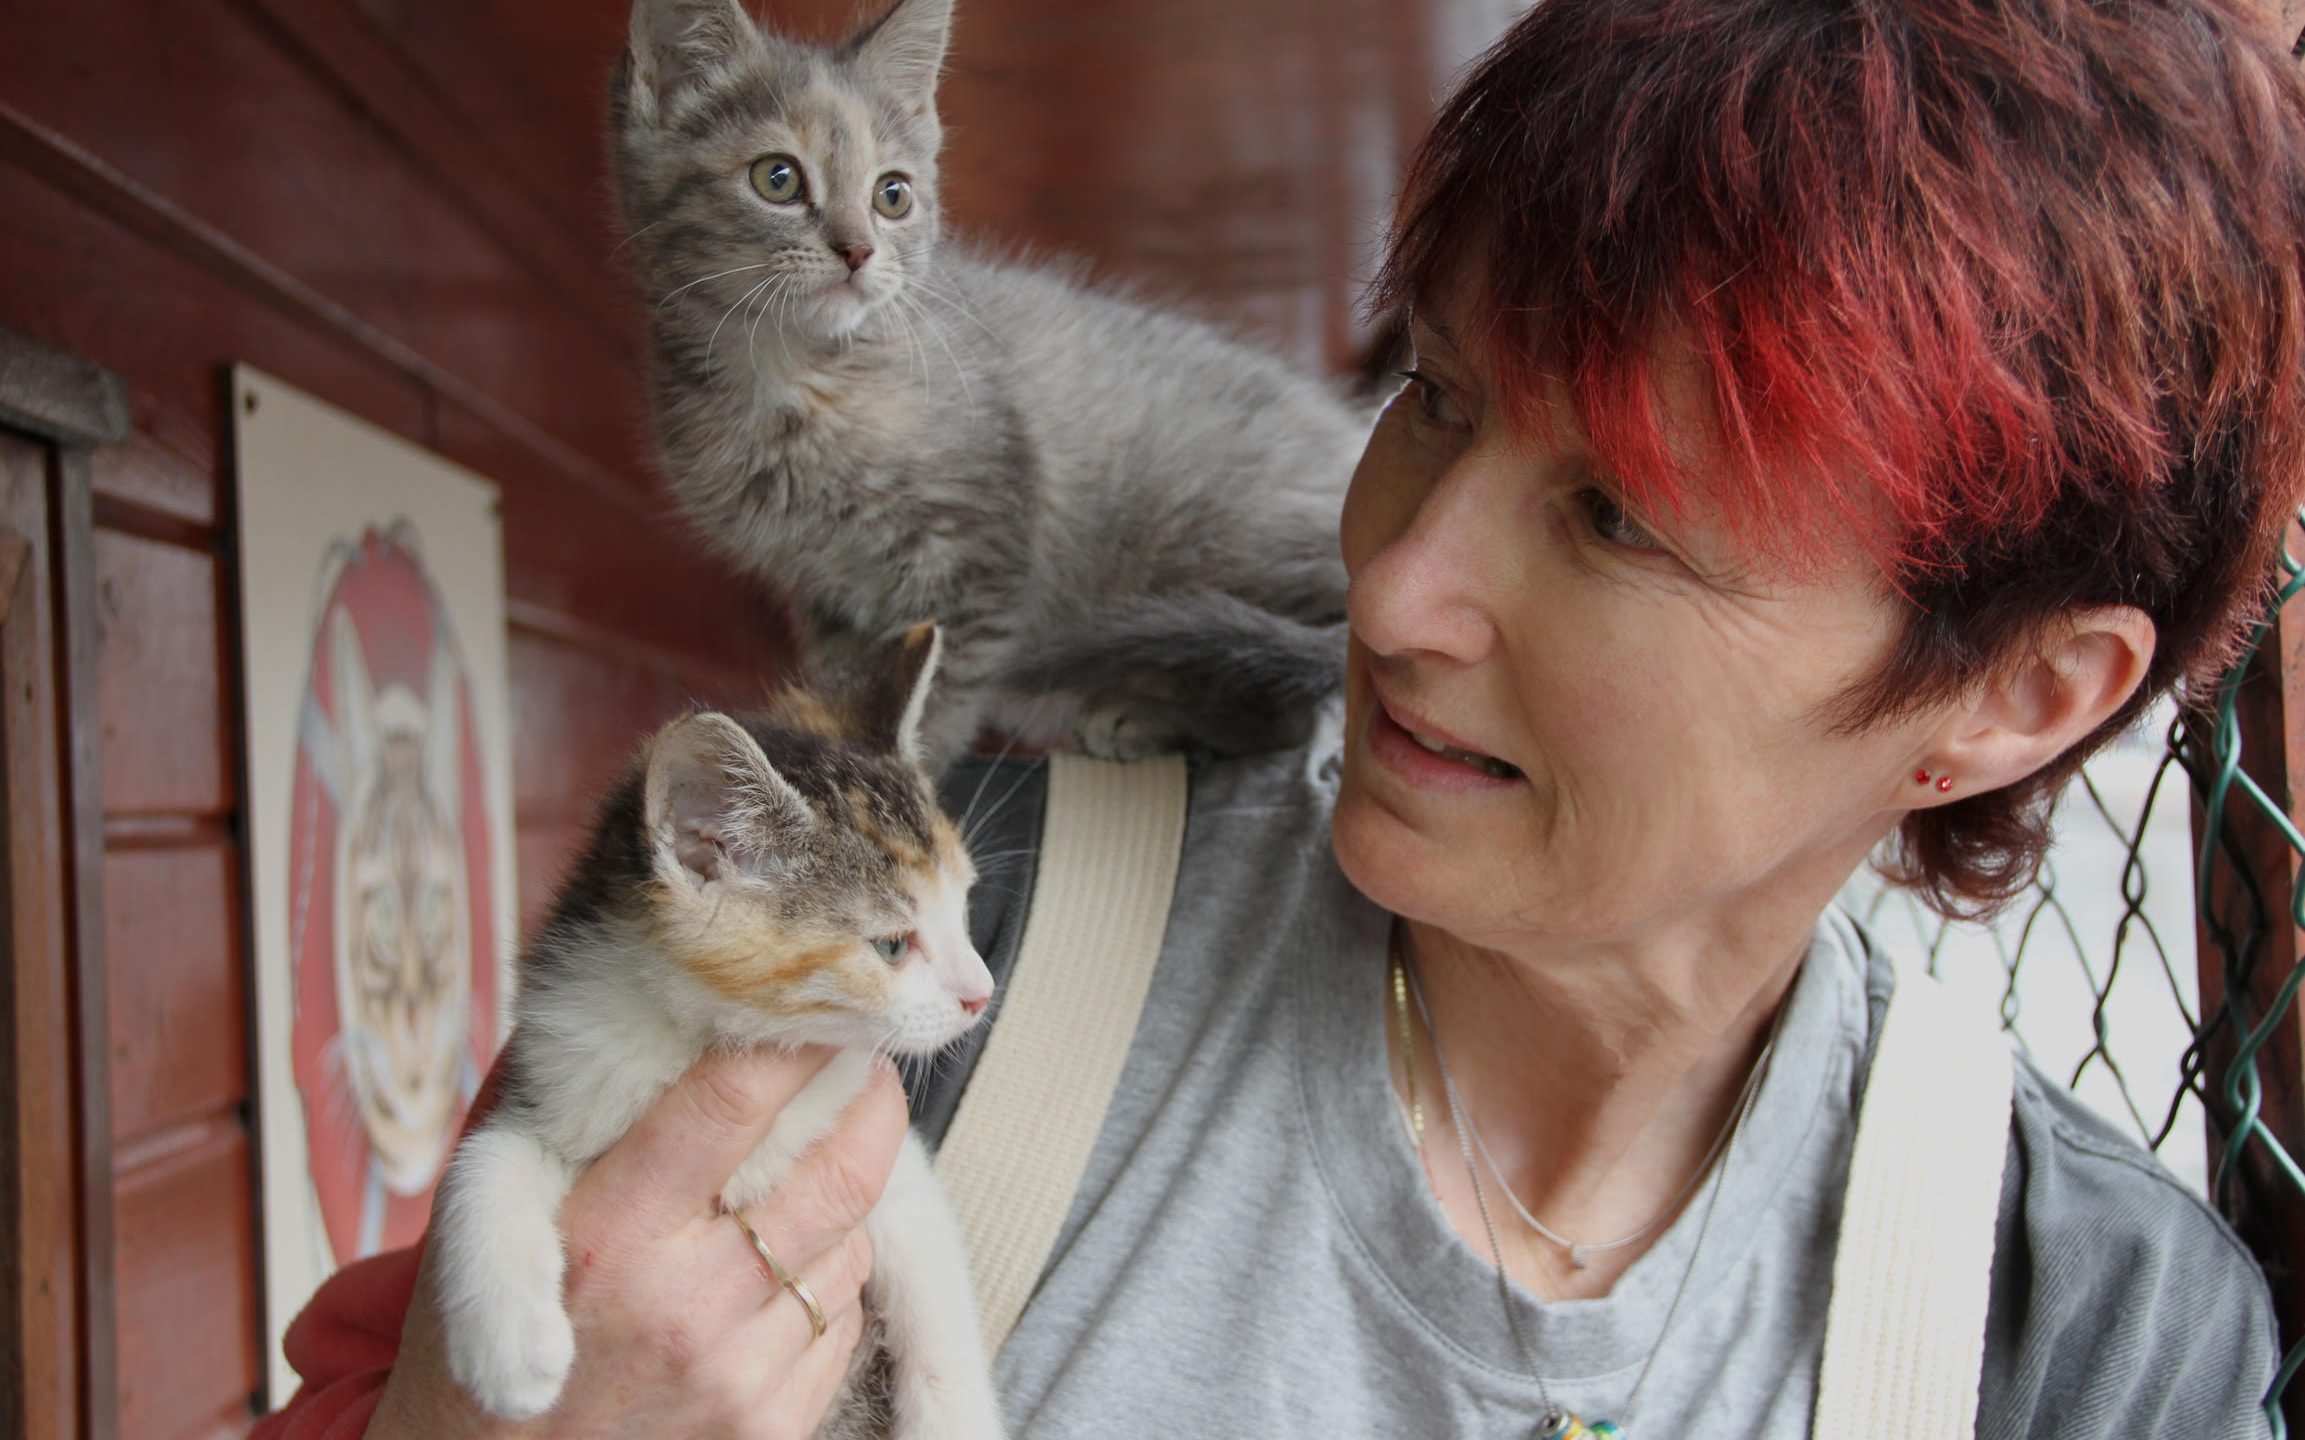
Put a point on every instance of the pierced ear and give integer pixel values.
(713, 805)
(2049, 701)
(889, 689)
(905, 48)
(677, 44)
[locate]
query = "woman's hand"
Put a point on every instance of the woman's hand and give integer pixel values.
(680, 1333)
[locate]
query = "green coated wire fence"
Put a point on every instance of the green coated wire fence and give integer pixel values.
(2176, 870)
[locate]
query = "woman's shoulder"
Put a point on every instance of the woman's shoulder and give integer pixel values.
(2121, 1301)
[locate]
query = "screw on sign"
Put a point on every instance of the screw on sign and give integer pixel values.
(390, 897)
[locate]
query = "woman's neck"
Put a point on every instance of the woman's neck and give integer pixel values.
(1597, 1081)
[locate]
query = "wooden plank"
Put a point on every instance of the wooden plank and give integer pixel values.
(44, 1325)
(556, 234)
(634, 579)
(330, 223)
(579, 717)
(163, 676)
(187, 1266)
(80, 279)
(79, 640)
(179, 998)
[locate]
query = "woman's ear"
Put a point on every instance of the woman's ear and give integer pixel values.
(2082, 671)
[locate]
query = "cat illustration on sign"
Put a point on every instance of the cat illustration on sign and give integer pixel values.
(390, 897)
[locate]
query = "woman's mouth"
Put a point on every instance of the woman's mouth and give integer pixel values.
(1486, 764)
(1426, 759)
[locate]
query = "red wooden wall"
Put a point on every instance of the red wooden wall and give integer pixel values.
(398, 205)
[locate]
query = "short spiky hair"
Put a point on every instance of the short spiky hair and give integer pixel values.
(2009, 293)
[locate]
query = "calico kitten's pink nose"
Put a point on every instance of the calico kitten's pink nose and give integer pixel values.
(855, 255)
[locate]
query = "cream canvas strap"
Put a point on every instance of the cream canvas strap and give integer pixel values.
(1905, 1331)
(1021, 1138)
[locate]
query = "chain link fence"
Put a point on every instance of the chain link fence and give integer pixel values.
(2174, 869)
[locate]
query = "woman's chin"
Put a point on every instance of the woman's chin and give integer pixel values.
(1388, 858)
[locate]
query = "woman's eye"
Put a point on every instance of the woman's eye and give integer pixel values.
(889, 947)
(1610, 522)
(892, 197)
(777, 178)
(1434, 407)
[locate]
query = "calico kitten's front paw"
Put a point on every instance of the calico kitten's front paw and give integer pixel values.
(1122, 732)
(514, 1367)
(510, 1344)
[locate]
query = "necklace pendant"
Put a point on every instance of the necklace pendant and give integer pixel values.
(1577, 1255)
(1564, 1425)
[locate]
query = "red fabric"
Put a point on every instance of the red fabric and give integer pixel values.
(343, 1345)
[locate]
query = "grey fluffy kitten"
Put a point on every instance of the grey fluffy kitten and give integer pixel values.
(1124, 521)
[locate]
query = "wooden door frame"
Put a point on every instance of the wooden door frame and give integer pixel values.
(58, 1377)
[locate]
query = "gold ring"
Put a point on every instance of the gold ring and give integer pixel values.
(780, 1275)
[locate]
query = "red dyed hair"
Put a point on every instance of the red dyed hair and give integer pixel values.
(2009, 292)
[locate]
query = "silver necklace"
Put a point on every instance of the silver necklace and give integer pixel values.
(1558, 1423)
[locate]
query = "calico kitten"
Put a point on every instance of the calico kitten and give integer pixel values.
(1120, 517)
(781, 880)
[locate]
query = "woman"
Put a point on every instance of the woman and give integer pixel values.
(1829, 425)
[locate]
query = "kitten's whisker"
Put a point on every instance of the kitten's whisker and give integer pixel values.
(752, 337)
(1023, 775)
(763, 265)
(1015, 735)
(937, 331)
(635, 235)
(923, 281)
(714, 339)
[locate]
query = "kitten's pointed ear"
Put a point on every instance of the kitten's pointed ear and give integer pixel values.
(354, 699)
(713, 805)
(677, 44)
(444, 733)
(905, 48)
(889, 691)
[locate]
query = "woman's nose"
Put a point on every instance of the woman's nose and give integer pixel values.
(1423, 590)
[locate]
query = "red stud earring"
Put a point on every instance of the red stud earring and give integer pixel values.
(1920, 777)
(1944, 782)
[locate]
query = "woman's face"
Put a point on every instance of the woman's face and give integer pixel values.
(1638, 727)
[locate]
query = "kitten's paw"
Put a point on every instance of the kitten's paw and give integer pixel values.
(1118, 732)
(516, 1368)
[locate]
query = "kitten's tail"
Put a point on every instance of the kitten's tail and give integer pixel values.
(1227, 673)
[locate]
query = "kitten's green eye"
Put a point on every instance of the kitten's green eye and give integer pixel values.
(889, 947)
(777, 178)
(893, 196)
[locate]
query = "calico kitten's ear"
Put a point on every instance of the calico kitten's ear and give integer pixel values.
(714, 807)
(676, 44)
(889, 689)
(904, 49)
